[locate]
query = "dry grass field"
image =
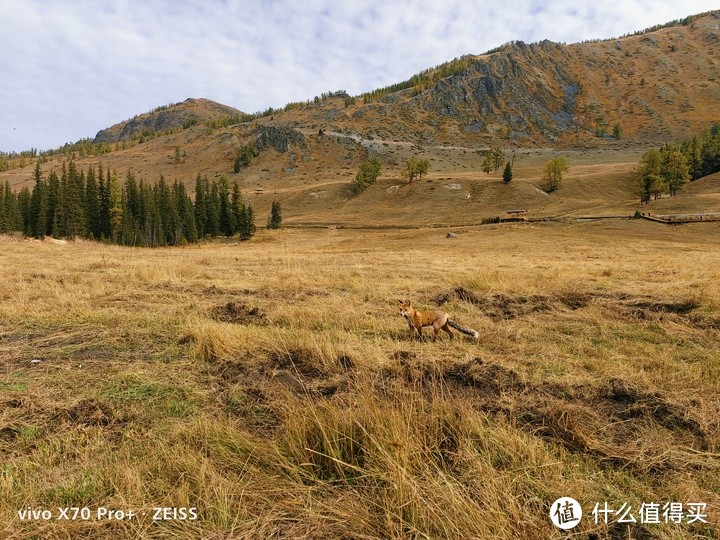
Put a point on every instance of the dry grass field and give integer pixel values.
(272, 385)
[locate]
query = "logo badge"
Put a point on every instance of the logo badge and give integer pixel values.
(565, 513)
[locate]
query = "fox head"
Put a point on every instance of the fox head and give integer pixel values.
(405, 309)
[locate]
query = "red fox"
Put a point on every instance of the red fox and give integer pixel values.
(439, 320)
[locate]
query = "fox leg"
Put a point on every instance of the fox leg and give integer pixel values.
(436, 329)
(446, 327)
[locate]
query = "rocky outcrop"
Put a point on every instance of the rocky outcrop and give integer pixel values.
(278, 137)
(531, 82)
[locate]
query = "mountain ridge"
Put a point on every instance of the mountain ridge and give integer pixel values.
(530, 94)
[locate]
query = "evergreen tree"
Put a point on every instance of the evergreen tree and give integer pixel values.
(12, 209)
(507, 173)
(201, 211)
(9, 215)
(128, 234)
(117, 208)
(186, 214)
(248, 222)
(104, 205)
(275, 218)
(226, 218)
(169, 215)
(54, 210)
(649, 175)
(92, 205)
(37, 213)
(213, 206)
(74, 195)
(24, 209)
(147, 219)
(236, 205)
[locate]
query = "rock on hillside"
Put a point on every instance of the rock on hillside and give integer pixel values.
(166, 118)
(530, 89)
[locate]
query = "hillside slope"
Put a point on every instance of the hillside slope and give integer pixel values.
(176, 116)
(657, 86)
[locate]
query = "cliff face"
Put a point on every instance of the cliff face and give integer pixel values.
(174, 116)
(529, 89)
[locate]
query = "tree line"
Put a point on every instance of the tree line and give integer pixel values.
(669, 168)
(93, 204)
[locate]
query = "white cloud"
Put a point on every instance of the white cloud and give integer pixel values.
(70, 69)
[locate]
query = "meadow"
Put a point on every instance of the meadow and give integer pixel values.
(272, 386)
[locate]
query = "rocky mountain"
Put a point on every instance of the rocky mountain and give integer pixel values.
(163, 119)
(654, 86)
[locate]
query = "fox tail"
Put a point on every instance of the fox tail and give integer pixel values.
(464, 329)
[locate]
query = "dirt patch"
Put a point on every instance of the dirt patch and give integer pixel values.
(87, 412)
(403, 355)
(616, 422)
(631, 403)
(252, 407)
(299, 360)
(649, 309)
(9, 433)
(489, 379)
(501, 306)
(234, 312)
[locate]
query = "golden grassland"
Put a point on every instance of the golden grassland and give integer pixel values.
(272, 385)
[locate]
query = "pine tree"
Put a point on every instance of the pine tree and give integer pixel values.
(104, 205)
(117, 208)
(74, 195)
(226, 218)
(236, 205)
(248, 221)
(649, 175)
(92, 205)
(275, 218)
(200, 207)
(507, 173)
(8, 206)
(213, 206)
(24, 209)
(12, 209)
(186, 214)
(37, 213)
(54, 209)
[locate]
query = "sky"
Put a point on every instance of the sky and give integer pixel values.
(69, 68)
